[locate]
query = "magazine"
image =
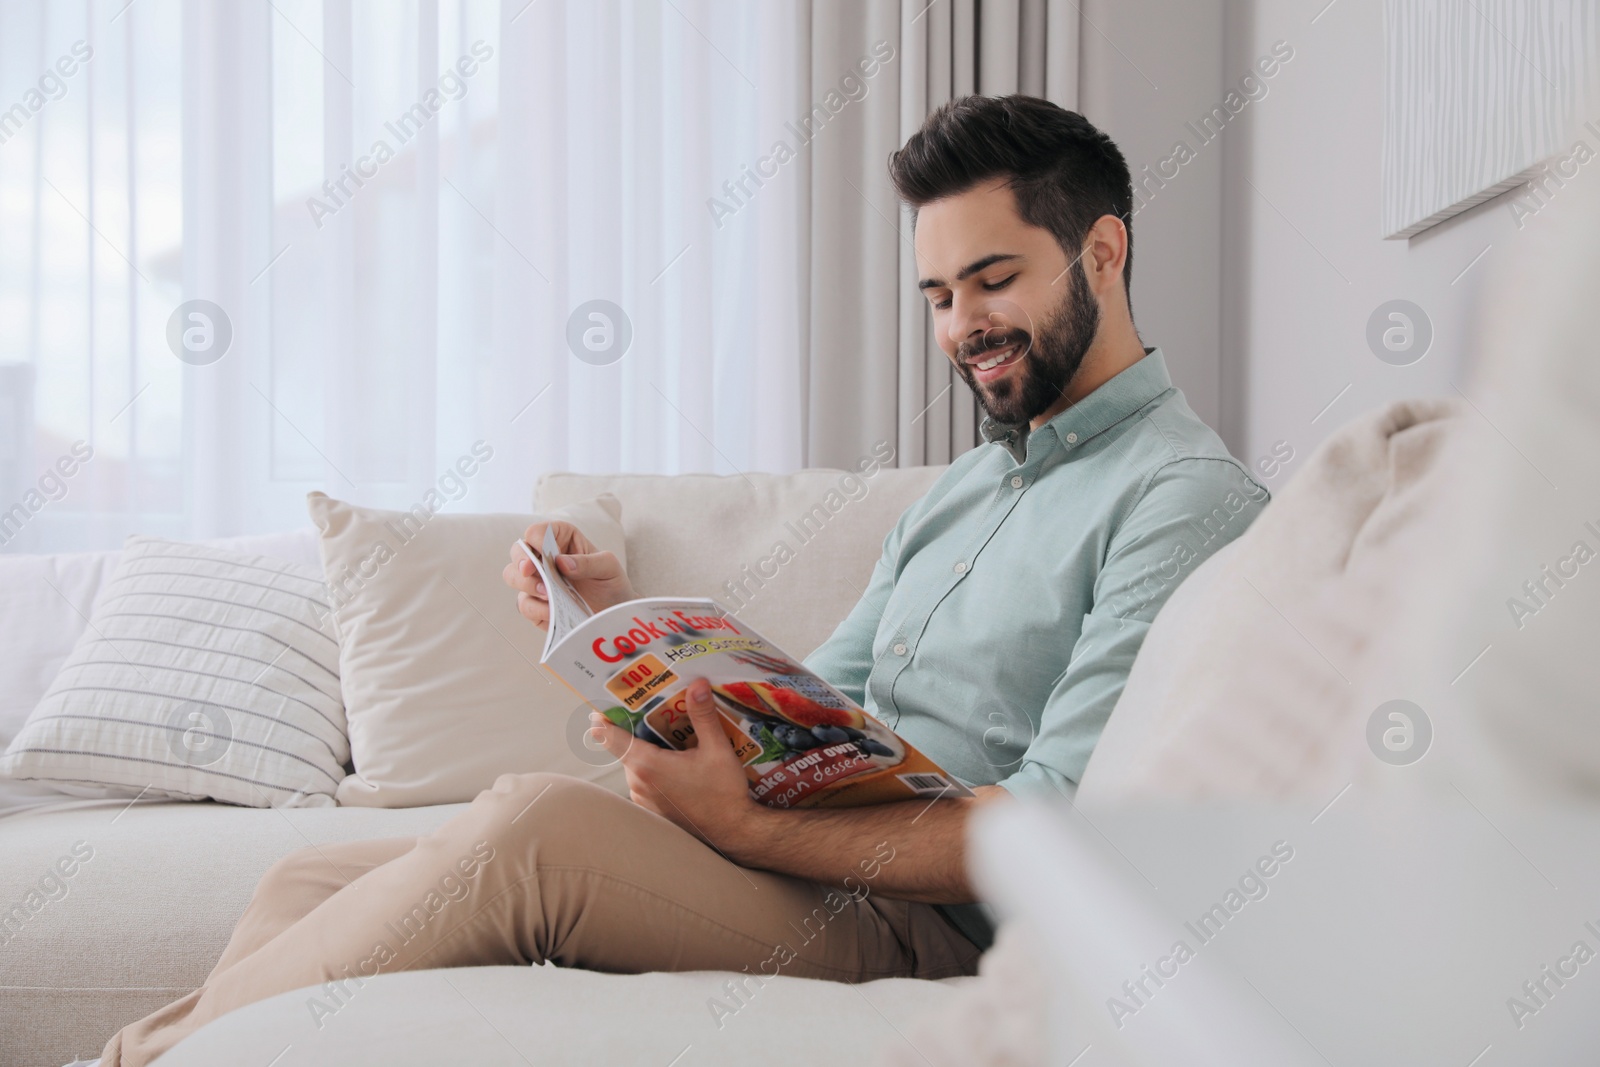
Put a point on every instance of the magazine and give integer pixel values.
(802, 742)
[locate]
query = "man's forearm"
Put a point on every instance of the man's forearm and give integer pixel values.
(928, 839)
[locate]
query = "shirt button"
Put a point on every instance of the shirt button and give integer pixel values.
(1016, 481)
(900, 648)
(1072, 438)
(961, 568)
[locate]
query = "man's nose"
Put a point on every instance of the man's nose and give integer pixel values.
(970, 324)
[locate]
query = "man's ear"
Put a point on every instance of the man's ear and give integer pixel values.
(1105, 253)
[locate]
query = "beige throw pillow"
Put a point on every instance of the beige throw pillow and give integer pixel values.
(442, 685)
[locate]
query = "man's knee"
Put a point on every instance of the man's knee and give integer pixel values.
(523, 793)
(292, 869)
(555, 810)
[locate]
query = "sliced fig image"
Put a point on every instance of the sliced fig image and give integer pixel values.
(805, 712)
(743, 696)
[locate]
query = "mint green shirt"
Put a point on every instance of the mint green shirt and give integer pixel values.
(999, 625)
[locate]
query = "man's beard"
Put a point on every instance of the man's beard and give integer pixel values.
(1049, 361)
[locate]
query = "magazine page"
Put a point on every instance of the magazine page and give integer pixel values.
(567, 608)
(802, 742)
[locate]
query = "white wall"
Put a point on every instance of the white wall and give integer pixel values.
(1257, 267)
(1303, 263)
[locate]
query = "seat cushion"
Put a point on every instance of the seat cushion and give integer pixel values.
(109, 911)
(515, 1016)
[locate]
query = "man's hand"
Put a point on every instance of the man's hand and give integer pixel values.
(597, 576)
(704, 789)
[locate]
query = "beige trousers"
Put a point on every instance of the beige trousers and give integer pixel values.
(544, 867)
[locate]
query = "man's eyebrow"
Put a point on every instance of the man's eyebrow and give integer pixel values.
(970, 269)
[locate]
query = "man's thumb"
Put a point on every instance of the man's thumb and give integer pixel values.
(702, 708)
(594, 566)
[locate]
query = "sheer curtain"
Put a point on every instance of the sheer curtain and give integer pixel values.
(396, 210)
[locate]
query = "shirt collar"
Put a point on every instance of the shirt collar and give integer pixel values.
(1108, 405)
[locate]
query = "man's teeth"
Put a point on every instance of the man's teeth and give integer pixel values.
(998, 358)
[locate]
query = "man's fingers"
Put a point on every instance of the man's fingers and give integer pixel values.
(518, 556)
(698, 699)
(568, 537)
(533, 609)
(614, 738)
(523, 579)
(705, 717)
(591, 566)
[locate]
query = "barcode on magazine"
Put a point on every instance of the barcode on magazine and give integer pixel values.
(926, 784)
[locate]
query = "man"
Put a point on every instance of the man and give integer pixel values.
(996, 634)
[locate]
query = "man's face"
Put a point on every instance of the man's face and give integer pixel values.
(1014, 314)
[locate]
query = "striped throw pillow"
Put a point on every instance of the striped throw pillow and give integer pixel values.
(203, 674)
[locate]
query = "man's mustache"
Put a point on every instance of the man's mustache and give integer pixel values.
(996, 337)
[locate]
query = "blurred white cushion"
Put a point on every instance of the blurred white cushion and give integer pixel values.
(524, 1015)
(1153, 689)
(202, 673)
(1257, 672)
(442, 684)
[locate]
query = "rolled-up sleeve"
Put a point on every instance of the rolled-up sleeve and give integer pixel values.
(1188, 510)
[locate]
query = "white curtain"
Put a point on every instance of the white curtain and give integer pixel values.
(383, 327)
(403, 208)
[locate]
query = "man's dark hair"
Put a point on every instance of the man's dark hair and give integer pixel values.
(1064, 172)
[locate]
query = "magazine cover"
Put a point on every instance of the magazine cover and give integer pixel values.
(802, 742)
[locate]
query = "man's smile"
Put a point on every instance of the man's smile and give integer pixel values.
(994, 363)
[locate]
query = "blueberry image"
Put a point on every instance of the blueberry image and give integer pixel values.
(793, 738)
(829, 735)
(869, 747)
(643, 732)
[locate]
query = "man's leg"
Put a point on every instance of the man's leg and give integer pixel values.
(291, 888)
(543, 867)
(289, 891)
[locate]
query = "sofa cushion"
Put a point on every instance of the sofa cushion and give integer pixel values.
(154, 893)
(442, 685)
(1155, 684)
(515, 1016)
(204, 673)
(788, 553)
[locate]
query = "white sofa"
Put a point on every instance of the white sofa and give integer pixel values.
(142, 922)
